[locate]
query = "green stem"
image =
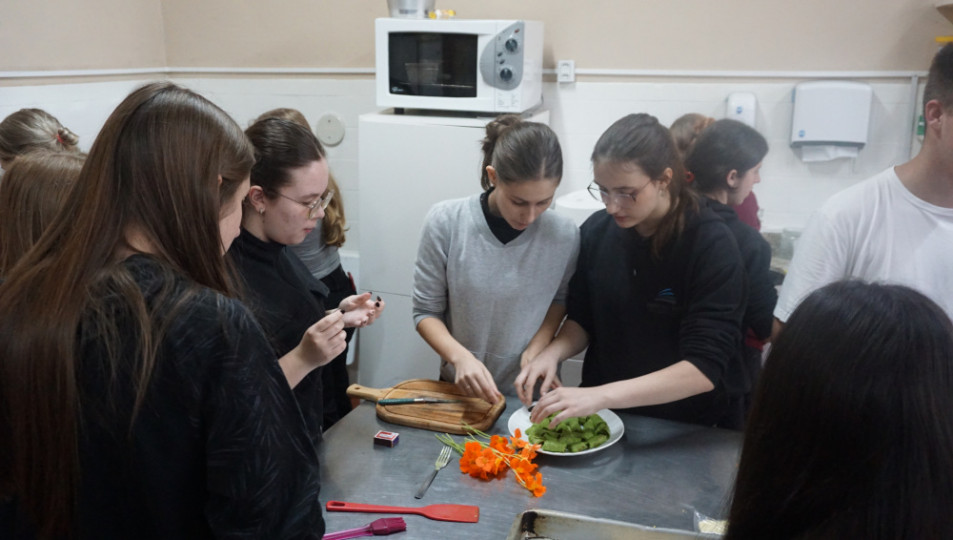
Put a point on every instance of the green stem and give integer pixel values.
(446, 439)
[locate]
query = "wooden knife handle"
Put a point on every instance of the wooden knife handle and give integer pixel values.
(365, 392)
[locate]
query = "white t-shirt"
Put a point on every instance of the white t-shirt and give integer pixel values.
(877, 231)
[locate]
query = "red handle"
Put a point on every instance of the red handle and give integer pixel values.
(341, 506)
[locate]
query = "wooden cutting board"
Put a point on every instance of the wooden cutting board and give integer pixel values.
(444, 417)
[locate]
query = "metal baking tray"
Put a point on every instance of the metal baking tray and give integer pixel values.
(553, 525)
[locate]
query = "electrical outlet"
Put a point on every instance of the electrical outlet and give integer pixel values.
(565, 71)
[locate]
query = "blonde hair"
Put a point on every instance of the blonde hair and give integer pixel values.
(334, 224)
(686, 128)
(34, 129)
(31, 194)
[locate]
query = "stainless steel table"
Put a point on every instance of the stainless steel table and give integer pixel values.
(654, 476)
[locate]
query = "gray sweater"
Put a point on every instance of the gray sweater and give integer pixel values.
(320, 258)
(492, 297)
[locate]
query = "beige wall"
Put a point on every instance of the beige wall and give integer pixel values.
(775, 35)
(275, 33)
(43, 35)
(620, 34)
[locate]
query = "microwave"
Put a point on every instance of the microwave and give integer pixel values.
(481, 66)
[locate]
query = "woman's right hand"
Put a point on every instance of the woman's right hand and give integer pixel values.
(542, 367)
(474, 379)
(324, 340)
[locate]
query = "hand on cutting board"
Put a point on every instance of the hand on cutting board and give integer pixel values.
(474, 379)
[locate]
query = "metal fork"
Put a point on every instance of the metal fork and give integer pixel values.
(441, 462)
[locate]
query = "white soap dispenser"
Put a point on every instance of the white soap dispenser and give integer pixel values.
(742, 106)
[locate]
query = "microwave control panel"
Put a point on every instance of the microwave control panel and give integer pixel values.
(501, 63)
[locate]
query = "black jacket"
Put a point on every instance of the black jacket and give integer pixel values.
(286, 299)
(756, 254)
(218, 449)
(643, 314)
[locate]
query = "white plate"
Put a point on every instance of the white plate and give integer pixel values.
(520, 419)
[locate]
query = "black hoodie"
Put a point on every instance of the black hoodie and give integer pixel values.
(756, 254)
(644, 313)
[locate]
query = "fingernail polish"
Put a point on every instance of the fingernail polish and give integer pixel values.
(378, 298)
(377, 304)
(342, 311)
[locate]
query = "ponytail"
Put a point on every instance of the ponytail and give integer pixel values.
(520, 151)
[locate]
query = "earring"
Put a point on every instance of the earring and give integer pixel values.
(261, 211)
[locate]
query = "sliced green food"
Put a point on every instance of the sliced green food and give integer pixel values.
(571, 435)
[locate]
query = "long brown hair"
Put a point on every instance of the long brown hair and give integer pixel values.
(160, 168)
(334, 224)
(31, 194)
(641, 140)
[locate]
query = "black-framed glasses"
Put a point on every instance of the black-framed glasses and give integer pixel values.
(620, 199)
(320, 202)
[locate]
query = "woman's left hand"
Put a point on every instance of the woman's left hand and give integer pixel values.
(569, 402)
(361, 310)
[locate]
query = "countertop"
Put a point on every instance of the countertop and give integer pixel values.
(655, 475)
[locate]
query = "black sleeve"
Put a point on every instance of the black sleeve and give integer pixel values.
(262, 469)
(578, 307)
(762, 295)
(710, 331)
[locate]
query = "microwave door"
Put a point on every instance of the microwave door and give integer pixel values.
(433, 64)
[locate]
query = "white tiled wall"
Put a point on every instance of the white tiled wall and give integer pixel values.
(790, 189)
(246, 98)
(580, 112)
(82, 108)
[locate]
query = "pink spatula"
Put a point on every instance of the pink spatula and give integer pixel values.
(378, 527)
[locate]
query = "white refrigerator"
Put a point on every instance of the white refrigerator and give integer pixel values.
(406, 164)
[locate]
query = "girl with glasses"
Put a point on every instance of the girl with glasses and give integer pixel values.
(658, 295)
(492, 269)
(138, 397)
(726, 164)
(286, 200)
(319, 252)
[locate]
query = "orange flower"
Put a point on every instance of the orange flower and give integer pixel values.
(491, 457)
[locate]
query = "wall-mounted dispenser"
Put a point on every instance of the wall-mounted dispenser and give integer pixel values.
(830, 119)
(741, 106)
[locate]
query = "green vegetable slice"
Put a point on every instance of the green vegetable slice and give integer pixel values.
(571, 435)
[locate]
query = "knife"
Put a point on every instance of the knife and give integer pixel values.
(401, 401)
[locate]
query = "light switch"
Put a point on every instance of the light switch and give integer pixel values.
(565, 71)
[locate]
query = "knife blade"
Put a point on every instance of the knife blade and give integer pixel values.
(402, 401)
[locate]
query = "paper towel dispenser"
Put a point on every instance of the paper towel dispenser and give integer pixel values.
(831, 114)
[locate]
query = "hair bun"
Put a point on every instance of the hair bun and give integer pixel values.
(67, 138)
(497, 126)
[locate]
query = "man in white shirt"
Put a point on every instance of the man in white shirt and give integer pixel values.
(896, 227)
